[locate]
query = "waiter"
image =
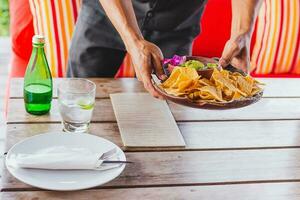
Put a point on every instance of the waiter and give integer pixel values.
(150, 30)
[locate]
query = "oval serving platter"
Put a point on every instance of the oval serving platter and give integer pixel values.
(203, 104)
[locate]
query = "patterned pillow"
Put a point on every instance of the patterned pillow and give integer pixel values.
(56, 20)
(276, 49)
(126, 69)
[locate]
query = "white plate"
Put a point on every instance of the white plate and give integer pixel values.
(64, 179)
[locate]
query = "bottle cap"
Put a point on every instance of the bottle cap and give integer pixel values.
(38, 39)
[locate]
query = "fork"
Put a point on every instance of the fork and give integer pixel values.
(109, 154)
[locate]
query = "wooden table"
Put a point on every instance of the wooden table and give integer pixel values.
(247, 153)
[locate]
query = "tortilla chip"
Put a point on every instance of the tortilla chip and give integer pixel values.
(179, 75)
(255, 90)
(195, 95)
(188, 86)
(225, 73)
(174, 92)
(222, 81)
(245, 85)
(227, 92)
(172, 79)
(236, 96)
(205, 81)
(211, 92)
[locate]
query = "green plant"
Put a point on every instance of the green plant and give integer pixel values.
(4, 18)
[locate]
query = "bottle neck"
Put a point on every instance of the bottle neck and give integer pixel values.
(37, 51)
(36, 55)
(38, 48)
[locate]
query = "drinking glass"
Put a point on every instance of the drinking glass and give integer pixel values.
(76, 99)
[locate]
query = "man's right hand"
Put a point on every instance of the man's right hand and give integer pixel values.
(145, 55)
(146, 58)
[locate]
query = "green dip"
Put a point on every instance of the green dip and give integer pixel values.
(196, 64)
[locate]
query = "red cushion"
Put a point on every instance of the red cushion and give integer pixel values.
(215, 29)
(275, 75)
(216, 25)
(21, 31)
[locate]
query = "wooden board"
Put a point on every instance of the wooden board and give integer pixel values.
(144, 121)
(266, 109)
(187, 168)
(197, 135)
(275, 87)
(262, 191)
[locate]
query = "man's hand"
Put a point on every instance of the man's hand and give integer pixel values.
(237, 53)
(147, 58)
(236, 50)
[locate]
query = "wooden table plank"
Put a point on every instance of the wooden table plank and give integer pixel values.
(266, 109)
(275, 87)
(198, 168)
(197, 135)
(105, 86)
(263, 191)
(103, 112)
(281, 87)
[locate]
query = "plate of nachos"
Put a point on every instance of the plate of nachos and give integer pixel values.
(200, 83)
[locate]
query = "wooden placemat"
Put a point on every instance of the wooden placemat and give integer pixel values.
(145, 121)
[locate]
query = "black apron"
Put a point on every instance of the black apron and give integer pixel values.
(97, 49)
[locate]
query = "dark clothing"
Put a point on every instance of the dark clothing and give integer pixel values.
(97, 49)
(160, 15)
(96, 62)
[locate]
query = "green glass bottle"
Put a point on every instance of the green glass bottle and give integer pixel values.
(38, 80)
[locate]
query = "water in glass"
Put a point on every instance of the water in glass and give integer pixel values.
(76, 99)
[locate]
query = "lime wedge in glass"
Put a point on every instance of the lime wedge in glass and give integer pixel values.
(85, 104)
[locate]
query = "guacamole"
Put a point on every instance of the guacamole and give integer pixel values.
(197, 65)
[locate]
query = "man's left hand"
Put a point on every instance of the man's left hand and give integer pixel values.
(237, 53)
